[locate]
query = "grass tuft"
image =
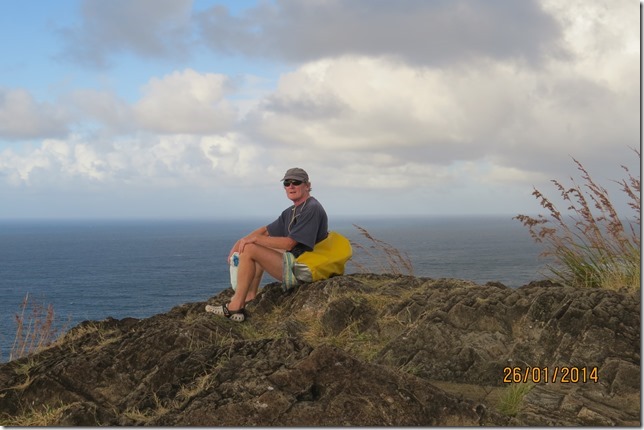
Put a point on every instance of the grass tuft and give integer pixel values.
(593, 246)
(381, 256)
(35, 328)
(512, 398)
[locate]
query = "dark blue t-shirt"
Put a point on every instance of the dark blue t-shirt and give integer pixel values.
(307, 224)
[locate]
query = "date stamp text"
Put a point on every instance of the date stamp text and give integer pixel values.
(561, 374)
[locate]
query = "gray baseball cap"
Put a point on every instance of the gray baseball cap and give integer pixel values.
(297, 174)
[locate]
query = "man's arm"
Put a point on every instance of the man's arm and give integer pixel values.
(275, 242)
(262, 238)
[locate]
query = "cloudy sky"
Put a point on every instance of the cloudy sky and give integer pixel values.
(193, 109)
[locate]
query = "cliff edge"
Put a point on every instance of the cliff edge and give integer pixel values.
(357, 350)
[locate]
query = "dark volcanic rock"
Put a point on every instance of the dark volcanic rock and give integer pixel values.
(355, 350)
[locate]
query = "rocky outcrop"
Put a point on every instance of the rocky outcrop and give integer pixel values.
(353, 350)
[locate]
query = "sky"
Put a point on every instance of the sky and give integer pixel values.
(195, 109)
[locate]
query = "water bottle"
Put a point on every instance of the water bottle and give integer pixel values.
(234, 263)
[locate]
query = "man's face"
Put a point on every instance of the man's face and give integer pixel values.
(296, 191)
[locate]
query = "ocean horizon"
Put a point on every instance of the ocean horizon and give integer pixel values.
(95, 269)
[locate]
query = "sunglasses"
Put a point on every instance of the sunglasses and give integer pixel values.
(288, 182)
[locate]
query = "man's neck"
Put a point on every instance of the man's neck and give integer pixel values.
(301, 200)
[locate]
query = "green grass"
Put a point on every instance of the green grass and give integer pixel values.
(512, 398)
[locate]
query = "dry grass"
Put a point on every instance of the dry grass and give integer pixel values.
(36, 416)
(380, 256)
(593, 246)
(35, 328)
(365, 344)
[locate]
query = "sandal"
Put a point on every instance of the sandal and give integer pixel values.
(222, 310)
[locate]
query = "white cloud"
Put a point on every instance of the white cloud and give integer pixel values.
(354, 103)
(22, 117)
(173, 161)
(186, 102)
(604, 37)
(104, 109)
(233, 158)
(53, 162)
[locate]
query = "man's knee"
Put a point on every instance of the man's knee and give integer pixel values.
(252, 252)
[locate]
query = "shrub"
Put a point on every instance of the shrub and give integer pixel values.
(593, 246)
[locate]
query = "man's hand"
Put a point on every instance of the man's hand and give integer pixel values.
(261, 235)
(245, 241)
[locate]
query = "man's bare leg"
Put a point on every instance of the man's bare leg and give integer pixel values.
(254, 286)
(254, 256)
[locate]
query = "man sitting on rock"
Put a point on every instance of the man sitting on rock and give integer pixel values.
(296, 230)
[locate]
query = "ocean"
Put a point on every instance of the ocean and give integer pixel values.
(91, 270)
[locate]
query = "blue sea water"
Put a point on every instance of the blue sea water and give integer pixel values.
(91, 270)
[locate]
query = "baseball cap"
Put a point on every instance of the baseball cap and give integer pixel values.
(297, 174)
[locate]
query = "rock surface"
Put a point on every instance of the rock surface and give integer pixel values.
(353, 350)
